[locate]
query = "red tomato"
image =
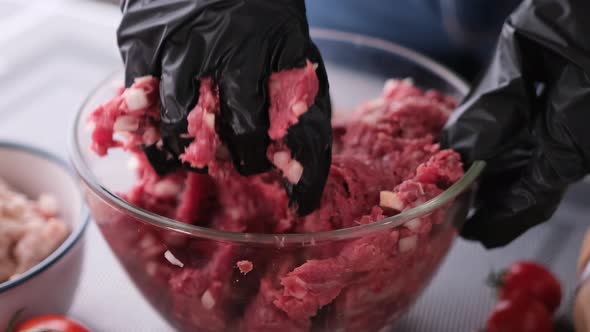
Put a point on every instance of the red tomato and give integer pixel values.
(519, 314)
(51, 322)
(533, 280)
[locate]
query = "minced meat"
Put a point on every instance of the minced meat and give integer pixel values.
(386, 160)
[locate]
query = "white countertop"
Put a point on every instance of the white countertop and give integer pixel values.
(54, 52)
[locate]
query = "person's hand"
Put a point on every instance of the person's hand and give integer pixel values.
(239, 44)
(528, 118)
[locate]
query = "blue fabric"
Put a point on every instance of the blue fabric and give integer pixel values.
(459, 33)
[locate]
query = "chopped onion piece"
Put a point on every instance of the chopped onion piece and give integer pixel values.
(126, 123)
(375, 104)
(172, 259)
(299, 108)
(281, 159)
(207, 300)
(413, 225)
(299, 289)
(167, 188)
(421, 188)
(151, 268)
(390, 85)
(408, 80)
(294, 171)
(135, 99)
(143, 79)
(408, 243)
(389, 199)
(209, 119)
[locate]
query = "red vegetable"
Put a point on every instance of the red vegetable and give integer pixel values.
(520, 313)
(532, 280)
(51, 323)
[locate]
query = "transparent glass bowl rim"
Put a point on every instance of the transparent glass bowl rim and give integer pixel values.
(298, 239)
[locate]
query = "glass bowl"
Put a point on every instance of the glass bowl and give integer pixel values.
(190, 274)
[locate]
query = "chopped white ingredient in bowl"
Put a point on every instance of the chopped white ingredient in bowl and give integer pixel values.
(29, 230)
(207, 300)
(390, 200)
(172, 259)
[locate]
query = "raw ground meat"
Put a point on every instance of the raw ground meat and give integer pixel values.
(201, 127)
(245, 266)
(292, 92)
(129, 119)
(385, 160)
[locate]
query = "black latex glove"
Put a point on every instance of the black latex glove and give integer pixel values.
(239, 43)
(529, 118)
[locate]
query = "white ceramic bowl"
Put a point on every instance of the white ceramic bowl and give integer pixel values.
(49, 286)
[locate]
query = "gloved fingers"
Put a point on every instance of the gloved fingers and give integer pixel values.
(496, 111)
(137, 60)
(310, 142)
(512, 202)
(291, 47)
(568, 105)
(496, 225)
(161, 160)
(165, 162)
(323, 97)
(143, 29)
(310, 139)
(138, 57)
(514, 207)
(244, 117)
(179, 88)
(541, 42)
(139, 66)
(243, 91)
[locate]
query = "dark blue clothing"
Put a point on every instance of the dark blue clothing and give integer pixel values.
(458, 33)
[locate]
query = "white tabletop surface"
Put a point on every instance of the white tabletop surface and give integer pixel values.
(52, 53)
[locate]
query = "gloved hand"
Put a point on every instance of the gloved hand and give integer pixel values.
(529, 118)
(239, 44)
